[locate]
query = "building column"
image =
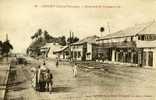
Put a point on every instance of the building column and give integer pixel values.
(132, 56)
(113, 55)
(73, 55)
(140, 59)
(117, 56)
(147, 58)
(154, 59)
(124, 57)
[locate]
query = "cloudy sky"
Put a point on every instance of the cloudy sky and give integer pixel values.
(21, 18)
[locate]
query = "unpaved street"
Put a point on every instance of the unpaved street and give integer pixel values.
(115, 83)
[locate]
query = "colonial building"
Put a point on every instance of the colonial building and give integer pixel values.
(81, 50)
(135, 45)
(62, 53)
(38, 52)
(84, 49)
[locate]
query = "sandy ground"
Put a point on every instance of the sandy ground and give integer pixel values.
(116, 83)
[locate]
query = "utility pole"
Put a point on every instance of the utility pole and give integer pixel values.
(7, 41)
(102, 29)
(108, 27)
(70, 45)
(72, 34)
(6, 37)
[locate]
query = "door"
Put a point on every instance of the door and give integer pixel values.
(150, 61)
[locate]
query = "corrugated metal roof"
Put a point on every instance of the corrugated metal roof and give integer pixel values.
(146, 44)
(90, 39)
(61, 49)
(144, 28)
(151, 29)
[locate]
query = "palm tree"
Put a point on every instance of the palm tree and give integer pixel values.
(37, 34)
(6, 47)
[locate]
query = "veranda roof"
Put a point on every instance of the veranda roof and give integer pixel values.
(144, 28)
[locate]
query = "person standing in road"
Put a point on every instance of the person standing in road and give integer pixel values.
(44, 63)
(57, 63)
(38, 84)
(43, 67)
(49, 80)
(34, 78)
(42, 81)
(75, 70)
(42, 76)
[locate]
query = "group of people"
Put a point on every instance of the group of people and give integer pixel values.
(42, 80)
(74, 67)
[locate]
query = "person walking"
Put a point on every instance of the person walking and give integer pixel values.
(34, 80)
(75, 70)
(57, 63)
(43, 77)
(42, 81)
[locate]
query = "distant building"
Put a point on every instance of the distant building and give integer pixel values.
(134, 45)
(81, 50)
(84, 49)
(1, 49)
(62, 53)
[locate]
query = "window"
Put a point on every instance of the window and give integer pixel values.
(147, 37)
(72, 53)
(88, 53)
(75, 54)
(131, 38)
(79, 54)
(150, 61)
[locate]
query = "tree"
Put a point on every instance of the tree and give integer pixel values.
(37, 34)
(76, 39)
(62, 41)
(46, 35)
(72, 39)
(1, 43)
(1, 46)
(49, 38)
(6, 47)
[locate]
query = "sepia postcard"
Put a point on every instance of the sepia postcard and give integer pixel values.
(77, 50)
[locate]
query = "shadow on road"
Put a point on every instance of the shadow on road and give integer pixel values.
(61, 89)
(17, 88)
(15, 83)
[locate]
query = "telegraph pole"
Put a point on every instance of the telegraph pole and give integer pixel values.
(6, 37)
(102, 29)
(6, 41)
(108, 27)
(70, 45)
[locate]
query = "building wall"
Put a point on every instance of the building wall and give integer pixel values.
(89, 52)
(82, 52)
(143, 57)
(145, 44)
(154, 58)
(150, 57)
(77, 52)
(139, 49)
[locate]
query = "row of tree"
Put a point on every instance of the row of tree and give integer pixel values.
(62, 40)
(5, 47)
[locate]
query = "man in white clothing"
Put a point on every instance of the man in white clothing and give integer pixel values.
(75, 70)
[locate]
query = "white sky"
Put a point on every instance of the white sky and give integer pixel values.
(20, 19)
